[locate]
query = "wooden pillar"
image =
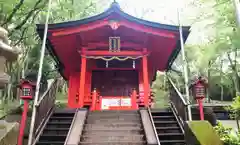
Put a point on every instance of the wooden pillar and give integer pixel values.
(145, 79)
(82, 81)
(94, 100)
(134, 99)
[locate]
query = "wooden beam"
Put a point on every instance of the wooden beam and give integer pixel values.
(98, 24)
(145, 29)
(96, 69)
(83, 28)
(123, 44)
(108, 53)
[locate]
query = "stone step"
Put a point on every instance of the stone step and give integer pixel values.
(113, 124)
(114, 118)
(113, 133)
(119, 138)
(106, 116)
(112, 128)
(114, 143)
(167, 127)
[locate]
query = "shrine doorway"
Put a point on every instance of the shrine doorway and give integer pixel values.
(115, 83)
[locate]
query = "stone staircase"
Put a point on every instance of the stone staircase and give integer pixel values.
(57, 128)
(113, 128)
(168, 130)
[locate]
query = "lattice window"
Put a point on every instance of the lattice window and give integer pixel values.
(26, 92)
(114, 44)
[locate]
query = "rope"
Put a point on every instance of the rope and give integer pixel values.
(114, 58)
(32, 125)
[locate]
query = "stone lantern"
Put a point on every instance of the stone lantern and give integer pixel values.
(7, 53)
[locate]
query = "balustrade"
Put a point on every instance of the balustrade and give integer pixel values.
(43, 108)
(177, 100)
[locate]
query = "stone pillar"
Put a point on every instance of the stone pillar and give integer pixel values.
(7, 53)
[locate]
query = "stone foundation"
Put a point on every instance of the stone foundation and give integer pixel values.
(8, 133)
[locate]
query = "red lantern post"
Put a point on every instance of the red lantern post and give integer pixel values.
(27, 88)
(199, 89)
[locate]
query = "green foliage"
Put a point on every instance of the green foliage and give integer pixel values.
(235, 108)
(19, 18)
(227, 135)
(205, 59)
(61, 104)
(159, 88)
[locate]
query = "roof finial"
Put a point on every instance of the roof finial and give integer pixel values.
(115, 4)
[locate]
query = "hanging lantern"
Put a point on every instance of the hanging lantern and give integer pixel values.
(199, 92)
(27, 92)
(199, 88)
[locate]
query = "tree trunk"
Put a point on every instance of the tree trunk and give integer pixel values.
(221, 81)
(235, 74)
(209, 80)
(237, 10)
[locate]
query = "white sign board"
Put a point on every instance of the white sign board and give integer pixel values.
(126, 102)
(106, 103)
(116, 102)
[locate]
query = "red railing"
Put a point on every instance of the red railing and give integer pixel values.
(140, 99)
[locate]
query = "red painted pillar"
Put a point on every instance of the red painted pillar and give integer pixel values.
(134, 99)
(200, 109)
(82, 81)
(94, 100)
(23, 123)
(71, 94)
(145, 79)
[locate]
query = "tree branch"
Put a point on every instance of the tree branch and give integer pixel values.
(25, 30)
(22, 36)
(86, 8)
(35, 8)
(234, 68)
(14, 11)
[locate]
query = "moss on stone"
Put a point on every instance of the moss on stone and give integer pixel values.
(204, 133)
(9, 135)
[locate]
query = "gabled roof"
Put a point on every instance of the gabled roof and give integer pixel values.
(115, 8)
(58, 51)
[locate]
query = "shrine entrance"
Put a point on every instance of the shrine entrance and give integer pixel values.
(115, 83)
(115, 88)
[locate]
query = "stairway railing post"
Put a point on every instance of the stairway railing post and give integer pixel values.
(94, 100)
(31, 132)
(134, 99)
(185, 66)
